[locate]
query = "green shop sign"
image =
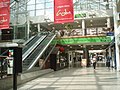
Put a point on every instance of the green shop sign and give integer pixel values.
(81, 15)
(83, 40)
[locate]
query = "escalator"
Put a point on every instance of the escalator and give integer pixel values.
(32, 44)
(32, 59)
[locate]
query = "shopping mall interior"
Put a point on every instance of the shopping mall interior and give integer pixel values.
(39, 43)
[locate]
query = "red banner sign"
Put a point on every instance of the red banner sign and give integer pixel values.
(4, 14)
(63, 11)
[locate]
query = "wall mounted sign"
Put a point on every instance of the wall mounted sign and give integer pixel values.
(110, 34)
(4, 14)
(83, 40)
(63, 11)
(80, 15)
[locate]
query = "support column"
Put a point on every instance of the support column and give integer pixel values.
(83, 27)
(117, 58)
(108, 22)
(116, 30)
(38, 25)
(110, 54)
(86, 55)
(28, 28)
(115, 64)
(16, 20)
(84, 51)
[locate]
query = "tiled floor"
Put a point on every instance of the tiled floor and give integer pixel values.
(76, 79)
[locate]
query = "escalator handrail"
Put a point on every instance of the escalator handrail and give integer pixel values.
(32, 48)
(28, 41)
(27, 47)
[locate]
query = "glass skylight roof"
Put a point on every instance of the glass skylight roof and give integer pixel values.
(46, 7)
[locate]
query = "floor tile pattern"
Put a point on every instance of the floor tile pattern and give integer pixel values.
(76, 79)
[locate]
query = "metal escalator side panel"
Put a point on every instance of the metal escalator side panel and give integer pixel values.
(26, 46)
(34, 53)
(25, 55)
(37, 58)
(29, 43)
(50, 51)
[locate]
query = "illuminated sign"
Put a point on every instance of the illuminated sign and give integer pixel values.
(83, 40)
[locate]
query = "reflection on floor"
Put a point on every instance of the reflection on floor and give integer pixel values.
(76, 79)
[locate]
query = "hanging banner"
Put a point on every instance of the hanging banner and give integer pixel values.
(4, 14)
(63, 11)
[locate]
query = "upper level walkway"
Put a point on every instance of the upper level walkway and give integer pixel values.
(76, 79)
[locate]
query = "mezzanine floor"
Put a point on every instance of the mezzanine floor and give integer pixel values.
(76, 79)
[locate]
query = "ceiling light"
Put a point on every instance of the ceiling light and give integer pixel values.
(78, 25)
(91, 45)
(65, 26)
(35, 25)
(50, 24)
(91, 20)
(91, 48)
(91, 24)
(68, 45)
(77, 21)
(53, 28)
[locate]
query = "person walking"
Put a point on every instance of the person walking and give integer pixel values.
(94, 62)
(108, 62)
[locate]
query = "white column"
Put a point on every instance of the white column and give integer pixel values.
(38, 25)
(117, 57)
(108, 22)
(83, 26)
(116, 33)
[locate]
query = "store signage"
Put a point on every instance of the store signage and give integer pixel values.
(63, 11)
(80, 15)
(4, 14)
(84, 40)
(110, 34)
(85, 15)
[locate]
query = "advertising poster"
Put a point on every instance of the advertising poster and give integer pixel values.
(63, 11)
(4, 14)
